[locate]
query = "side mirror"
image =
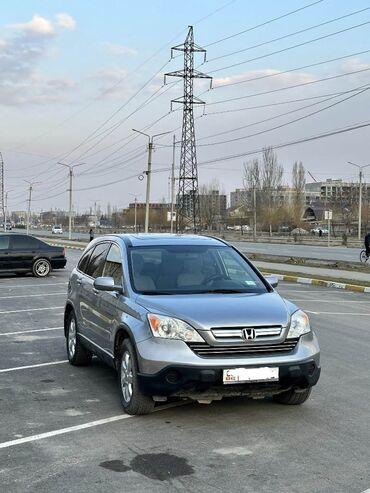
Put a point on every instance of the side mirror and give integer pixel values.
(272, 280)
(106, 284)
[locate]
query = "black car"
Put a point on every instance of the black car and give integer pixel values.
(20, 253)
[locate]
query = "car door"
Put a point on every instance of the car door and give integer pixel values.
(88, 298)
(111, 303)
(23, 250)
(5, 258)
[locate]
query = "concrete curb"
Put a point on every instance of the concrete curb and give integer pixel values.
(321, 282)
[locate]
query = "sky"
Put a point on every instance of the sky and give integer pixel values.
(76, 77)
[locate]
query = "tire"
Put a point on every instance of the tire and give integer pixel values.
(292, 398)
(363, 257)
(132, 399)
(41, 267)
(78, 355)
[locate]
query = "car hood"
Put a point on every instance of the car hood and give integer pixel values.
(205, 311)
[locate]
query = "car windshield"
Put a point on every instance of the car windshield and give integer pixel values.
(184, 269)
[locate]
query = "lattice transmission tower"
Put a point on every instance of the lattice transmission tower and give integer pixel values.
(2, 193)
(188, 213)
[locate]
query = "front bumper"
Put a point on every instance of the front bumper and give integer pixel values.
(182, 381)
(168, 367)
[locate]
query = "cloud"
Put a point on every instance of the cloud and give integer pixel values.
(65, 21)
(355, 64)
(38, 25)
(20, 56)
(266, 75)
(113, 83)
(119, 50)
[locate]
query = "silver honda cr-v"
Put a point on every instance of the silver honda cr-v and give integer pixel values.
(186, 317)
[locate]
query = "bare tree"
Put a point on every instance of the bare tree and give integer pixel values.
(299, 183)
(210, 197)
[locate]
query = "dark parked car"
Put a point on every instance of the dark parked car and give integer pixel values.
(186, 316)
(21, 253)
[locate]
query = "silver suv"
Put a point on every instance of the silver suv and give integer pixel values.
(186, 317)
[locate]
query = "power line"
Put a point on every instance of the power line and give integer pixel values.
(358, 89)
(274, 40)
(287, 123)
(285, 88)
(274, 19)
(291, 143)
(288, 48)
(276, 74)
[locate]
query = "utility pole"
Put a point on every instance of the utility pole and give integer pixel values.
(148, 174)
(71, 168)
(254, 213)
(173, 181)
(30, 189)
(188, 208)
(359, 195)
(6, 209)
(2, 184)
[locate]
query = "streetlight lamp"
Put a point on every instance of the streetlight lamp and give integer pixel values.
(70, 167)
(148, 173)
(360, 195)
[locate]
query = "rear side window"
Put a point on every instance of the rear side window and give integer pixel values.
(24, 242)
(96, 264)
(4, 242)
(84, 260)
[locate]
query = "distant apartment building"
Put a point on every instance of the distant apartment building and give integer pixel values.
(238, 197)
(213, 201)
(332, 191)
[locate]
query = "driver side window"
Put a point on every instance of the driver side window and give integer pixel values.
(113, 265)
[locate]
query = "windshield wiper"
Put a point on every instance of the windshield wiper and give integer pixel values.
(156, 292)
(224, 291)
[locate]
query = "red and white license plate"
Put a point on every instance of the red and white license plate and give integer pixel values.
(242, 375)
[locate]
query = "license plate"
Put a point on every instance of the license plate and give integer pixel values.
(241, 375)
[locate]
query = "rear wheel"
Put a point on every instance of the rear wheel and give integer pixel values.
(292, 397)
(363, 257)
(78, 355)
(133, 400)
(41, 267)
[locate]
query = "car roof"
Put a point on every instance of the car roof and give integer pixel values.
(161, 239)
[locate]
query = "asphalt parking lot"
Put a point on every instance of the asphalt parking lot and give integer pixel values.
(63, 430)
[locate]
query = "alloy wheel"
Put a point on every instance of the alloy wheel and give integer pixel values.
(126, 376)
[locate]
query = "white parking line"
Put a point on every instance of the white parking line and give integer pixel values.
(31, 310)
(355, 314)
(91, 424)
(31, 295)
(6, 370)
(25, 285)
(29, 331)
(331, 301)
(63, 431)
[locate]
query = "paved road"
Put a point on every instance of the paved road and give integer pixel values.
(304, 251)
(236, 445)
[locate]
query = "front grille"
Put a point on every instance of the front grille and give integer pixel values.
(261, 333)
(207, 351)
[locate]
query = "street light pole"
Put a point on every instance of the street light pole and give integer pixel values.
(173, 181)
(70, 167)
(30, 189)
(148, 174)
(359, 196)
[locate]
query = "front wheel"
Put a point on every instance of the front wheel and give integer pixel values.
(133, 400)
(41, 267)
(292, 397)
(363, 257)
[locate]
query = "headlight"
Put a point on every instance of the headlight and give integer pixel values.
(299, 325)
(172, 328)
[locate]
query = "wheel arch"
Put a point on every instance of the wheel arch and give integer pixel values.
(67, 311)
(123, 332)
